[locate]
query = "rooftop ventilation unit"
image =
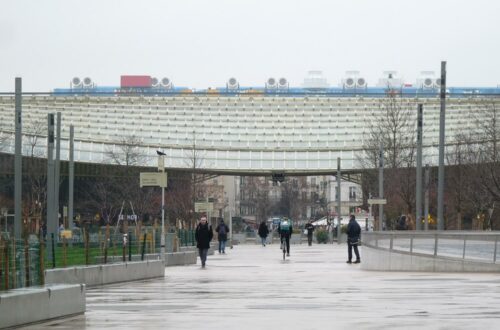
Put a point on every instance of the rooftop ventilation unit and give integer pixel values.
(155, 82)
(87, 82)
(271, 83)
(232, 83)
(166, 83)
(390, 79)
(76, 82)
(283, 83)
(437, 83)
(315, 80)
(426, 80)
(361, 82)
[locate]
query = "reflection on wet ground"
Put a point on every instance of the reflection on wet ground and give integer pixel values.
(251, 288)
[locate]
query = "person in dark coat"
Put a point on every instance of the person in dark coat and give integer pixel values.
(310, 229)
(222, 231)
(263, 232)
(353, 239)
(203, 236)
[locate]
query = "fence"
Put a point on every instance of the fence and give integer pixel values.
(470, 246)
(20, 263)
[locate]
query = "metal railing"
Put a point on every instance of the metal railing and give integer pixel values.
(472, 246)
(20, 263)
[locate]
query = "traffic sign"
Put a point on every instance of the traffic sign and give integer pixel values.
(377, 201)
(204, 207)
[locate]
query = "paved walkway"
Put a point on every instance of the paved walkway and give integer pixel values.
(252, 288)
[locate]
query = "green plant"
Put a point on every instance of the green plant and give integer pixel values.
(322, 236)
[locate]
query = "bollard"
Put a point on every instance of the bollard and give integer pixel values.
(129, 246)
(124, 247)
(53, 250)
(143, 247)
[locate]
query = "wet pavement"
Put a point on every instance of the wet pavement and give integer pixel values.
(251, 287)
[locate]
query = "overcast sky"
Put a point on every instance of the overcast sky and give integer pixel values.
(202, 43)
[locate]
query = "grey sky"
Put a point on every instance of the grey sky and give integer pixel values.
(201, 43)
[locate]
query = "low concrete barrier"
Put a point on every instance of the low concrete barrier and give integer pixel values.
(28, 305)
(378, 259)
(435, 251)
(106, 274)
(180, 258)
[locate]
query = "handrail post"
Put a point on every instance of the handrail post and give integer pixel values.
(465, 243)
(495, 252)
(411, 243)
(435, 244)
(391, 244)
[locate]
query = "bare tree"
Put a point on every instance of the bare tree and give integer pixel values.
(127, 152)
(34, 130)
(393, 127)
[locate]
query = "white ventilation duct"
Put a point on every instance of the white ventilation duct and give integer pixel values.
(282, 83)
(437, 83)
(166, 83)
(155, 82)
(427, 83)
(76, 82)
(360, 82)
(271, 83)
(232, 83)
(87, 82)
(349, 82)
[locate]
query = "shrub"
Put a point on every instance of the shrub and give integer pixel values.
(322, 236)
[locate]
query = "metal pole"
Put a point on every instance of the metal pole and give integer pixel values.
(18, 161)
(339, 205)
(51, 221)
(71, 176)
(161, 167)
(57, 168)
(426, 203)
(381, 186)
(442, 117)
(418, 199)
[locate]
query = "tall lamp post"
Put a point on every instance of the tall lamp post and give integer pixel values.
(161, 168)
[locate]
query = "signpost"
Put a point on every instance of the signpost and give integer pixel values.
(377, 201)
(152, 179)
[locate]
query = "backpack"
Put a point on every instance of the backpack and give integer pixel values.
(222, 230)
(285, 226)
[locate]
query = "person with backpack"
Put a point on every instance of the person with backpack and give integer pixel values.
(285, 231)
(353, 239)
(203, 236)
(263, 232)
(222, 231)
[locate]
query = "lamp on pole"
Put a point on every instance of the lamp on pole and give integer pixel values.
(161, 168)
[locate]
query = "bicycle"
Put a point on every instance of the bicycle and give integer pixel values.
(283, 247)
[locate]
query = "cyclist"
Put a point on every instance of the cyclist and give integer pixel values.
(285, 231)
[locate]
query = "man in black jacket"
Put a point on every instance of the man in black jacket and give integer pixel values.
(310, 229)
(203, 236)
(263, 232)
(353, 239)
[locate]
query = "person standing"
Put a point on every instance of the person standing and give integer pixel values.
(203, 236)
(222, 231)
(353, 239)
(263, 232)
(310, 229)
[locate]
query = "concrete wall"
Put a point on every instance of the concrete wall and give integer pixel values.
(180, 258)
(106, 274)
(384, 260)
(35, 304)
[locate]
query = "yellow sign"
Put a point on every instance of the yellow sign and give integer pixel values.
(152, 179)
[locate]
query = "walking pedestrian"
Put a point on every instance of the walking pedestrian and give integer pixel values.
(203, 236)
(222, 231)
(310, 229)
(263, 232)
(353, 239)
